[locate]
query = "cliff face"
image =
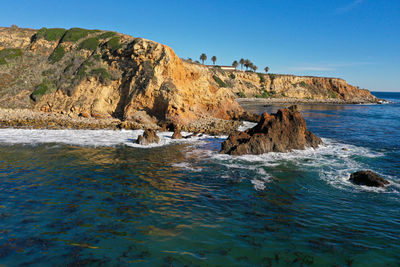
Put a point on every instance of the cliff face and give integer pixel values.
(249, 84)
(106, 74)
(102, 74)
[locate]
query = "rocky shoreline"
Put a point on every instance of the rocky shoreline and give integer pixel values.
(288, 100)
(31, 119)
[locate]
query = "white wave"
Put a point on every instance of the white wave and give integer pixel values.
(95, 138)
(246, 125)
(187, 166)
(333, 161)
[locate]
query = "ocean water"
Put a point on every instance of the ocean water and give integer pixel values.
(93, 198)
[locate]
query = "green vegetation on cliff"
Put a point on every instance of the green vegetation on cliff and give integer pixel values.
(89, 44)
(75, 34)
(114, 43)
(107, 35)
(266, 94)
(220, 82)
(9, 53)
(53, 34)
(43, 88)
(102, 74)
(57, 55)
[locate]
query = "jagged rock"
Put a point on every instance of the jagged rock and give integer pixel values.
(368, 178)
(248, 116)
(149, 136)
(177, 132)
(84, 114)
(281, 132)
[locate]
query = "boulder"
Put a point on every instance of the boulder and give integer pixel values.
(149, 136)
(368, 178)
(281, 132)
(177, 132)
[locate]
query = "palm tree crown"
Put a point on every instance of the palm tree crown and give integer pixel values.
(241, 62)
(203, 57)
(235, 64)
(266, 69)
(214, 59)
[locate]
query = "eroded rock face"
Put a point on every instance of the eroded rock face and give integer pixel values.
(281, 132)
(149, 136)
(177, 132)
(368, 178)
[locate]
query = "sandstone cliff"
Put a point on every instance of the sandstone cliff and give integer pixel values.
(250, 84)
(106, 74)
(102, 74)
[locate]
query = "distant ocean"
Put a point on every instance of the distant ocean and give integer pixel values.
(93, 198)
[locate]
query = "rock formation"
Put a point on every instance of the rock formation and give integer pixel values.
(281, 132)
(107, 74)
(177, 132)
(103, 74)
(149, 136)
(250, 84)
(368, 178)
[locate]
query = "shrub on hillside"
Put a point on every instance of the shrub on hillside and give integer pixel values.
(220, 82)
(57, 54)
(75, 34)
(89, 44)
(107, 35)
(114, 44)
(53, 34)
(41, 89)
(9, 53)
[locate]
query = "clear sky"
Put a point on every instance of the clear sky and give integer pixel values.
(358, 40)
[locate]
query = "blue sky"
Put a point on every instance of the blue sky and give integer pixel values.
(358, 40)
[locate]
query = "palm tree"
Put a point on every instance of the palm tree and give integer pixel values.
(247, 63)
(214, 59)
(203, 57)
(255, 68)
(235, 64)
(266, 69)
(251, 66)
(241, 62)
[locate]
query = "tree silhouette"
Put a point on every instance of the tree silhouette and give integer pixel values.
(235, 64)
(247, 64)
(241, 62)
(255, 68)
(214, 59)
(266, 69)
(203, 57)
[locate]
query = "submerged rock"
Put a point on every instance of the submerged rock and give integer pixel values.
(281, 132)
(368, 178)
(149, 136)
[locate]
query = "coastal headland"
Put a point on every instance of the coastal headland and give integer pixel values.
(93, 79)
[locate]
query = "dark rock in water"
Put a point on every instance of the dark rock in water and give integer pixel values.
(281, 132)
(149, 136)
(368, 178)
(177, 132)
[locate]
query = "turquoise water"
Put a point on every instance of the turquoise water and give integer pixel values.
(92, 198)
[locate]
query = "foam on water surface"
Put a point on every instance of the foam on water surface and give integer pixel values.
(333, 161)
(94, 138)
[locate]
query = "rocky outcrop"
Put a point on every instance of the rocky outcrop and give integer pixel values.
(177, 132)
(281, 132)
(368, 178)
(149, 137)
